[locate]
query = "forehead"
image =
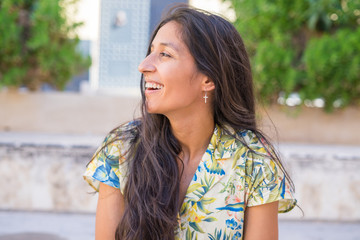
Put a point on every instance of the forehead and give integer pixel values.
(169, 33)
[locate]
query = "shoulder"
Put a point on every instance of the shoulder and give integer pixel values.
(108, 165)
(125, 132)
(246, 139)
(117, 143)
(250, 152)
(255, 142)
(260, 154)
(259, 161)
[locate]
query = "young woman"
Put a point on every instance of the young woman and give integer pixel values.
(194, 166)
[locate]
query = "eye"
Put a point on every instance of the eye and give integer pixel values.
(163, 54)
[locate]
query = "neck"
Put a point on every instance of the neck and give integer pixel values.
(193, 131)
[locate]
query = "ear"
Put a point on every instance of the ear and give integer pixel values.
(207, 84)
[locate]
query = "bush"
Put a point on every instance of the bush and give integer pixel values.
(310, 47)
(333, 67)
(35, 44)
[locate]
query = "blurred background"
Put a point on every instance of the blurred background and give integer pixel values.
(68, 75)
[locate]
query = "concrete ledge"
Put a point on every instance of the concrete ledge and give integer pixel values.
(43, 139)
(70, 113)
(312, 125)
(64, 112)
(44, 173)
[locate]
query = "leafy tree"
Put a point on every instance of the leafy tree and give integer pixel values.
(35, 44)
(311, 47)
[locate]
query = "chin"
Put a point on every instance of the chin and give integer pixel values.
(151, 109)
(155, 111)
(158, 108)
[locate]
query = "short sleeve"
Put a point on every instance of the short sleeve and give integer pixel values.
(266, 181)
(105, 164)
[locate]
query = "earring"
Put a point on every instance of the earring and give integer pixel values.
(205, 97)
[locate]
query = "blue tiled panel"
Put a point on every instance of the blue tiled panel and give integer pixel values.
(122, 48)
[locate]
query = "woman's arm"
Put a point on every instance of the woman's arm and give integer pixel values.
(261, 222)
(110, 208)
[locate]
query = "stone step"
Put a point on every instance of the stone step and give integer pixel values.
(18, 225)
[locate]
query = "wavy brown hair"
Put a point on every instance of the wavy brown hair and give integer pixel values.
(152, 189)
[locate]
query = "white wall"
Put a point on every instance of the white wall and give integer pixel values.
(215, 6)
(88, 12)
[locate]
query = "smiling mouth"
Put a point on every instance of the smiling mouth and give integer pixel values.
(153, 86)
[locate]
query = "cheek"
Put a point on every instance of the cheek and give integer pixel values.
(184, 91)
(181, 82)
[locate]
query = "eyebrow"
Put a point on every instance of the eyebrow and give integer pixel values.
(168, 44)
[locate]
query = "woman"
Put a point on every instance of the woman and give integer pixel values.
(194, 166)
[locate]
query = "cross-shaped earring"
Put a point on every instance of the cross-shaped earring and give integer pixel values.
(205, 97)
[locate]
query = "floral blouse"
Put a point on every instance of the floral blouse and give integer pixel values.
(229, 178)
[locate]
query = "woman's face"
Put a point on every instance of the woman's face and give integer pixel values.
(172, 80)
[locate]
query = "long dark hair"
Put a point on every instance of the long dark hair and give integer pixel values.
(152, 189)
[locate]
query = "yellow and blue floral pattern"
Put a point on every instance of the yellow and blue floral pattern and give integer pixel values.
(229, 178)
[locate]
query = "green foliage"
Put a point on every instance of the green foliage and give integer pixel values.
(35, 44)
(333, 67)
(306, 46)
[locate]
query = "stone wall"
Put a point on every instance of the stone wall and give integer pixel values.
(44, 173)
(65, 112)
(327, 180)
(45, 176)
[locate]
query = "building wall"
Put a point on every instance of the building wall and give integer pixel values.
(157, 8)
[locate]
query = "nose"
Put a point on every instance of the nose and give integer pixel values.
(147, 65)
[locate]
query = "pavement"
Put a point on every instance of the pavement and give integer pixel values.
(18, 225)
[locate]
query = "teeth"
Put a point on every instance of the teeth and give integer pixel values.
(153, 85)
